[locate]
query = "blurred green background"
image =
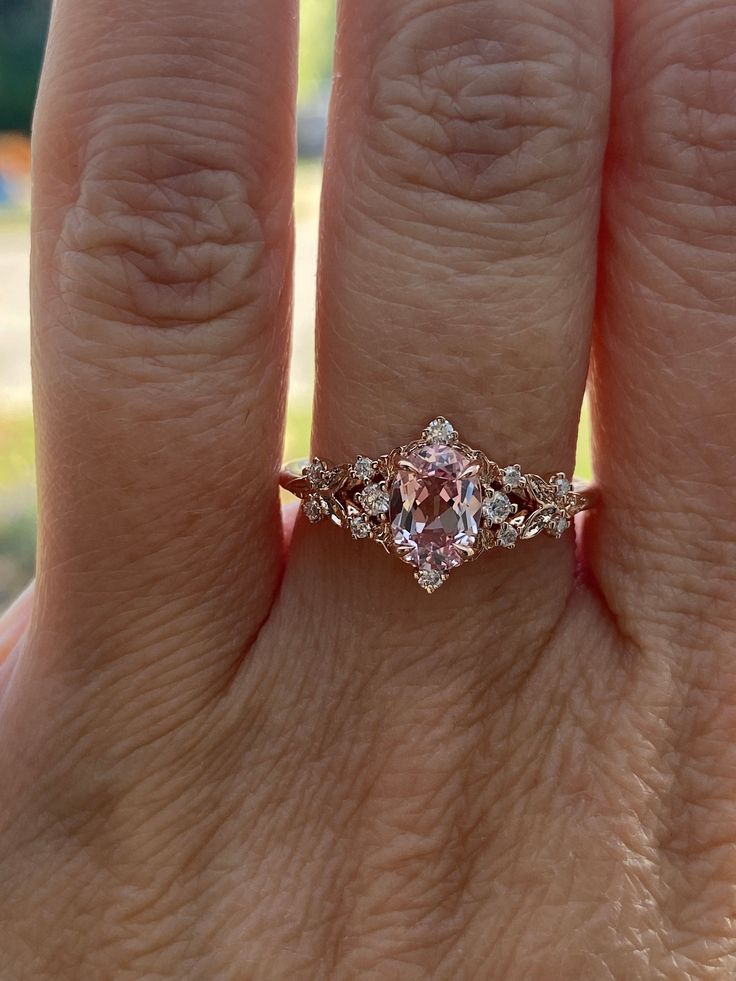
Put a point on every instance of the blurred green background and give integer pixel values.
(22, 37)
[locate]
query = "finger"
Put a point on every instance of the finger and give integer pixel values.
(666, 349)
(459, 234)
(162, 229)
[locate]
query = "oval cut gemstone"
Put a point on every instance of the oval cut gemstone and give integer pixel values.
(435, 508)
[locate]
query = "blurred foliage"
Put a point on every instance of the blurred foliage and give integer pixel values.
(298, 430)
(17, 510)
(17, 552)
(22, 38)
(23, 25)
(316, 41)
(16, 450)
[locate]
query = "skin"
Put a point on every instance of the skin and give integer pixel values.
(227, 757)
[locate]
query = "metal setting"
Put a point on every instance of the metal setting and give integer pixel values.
(436, 503)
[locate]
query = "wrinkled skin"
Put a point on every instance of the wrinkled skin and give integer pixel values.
(226, 757)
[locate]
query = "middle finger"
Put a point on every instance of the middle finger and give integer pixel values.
(460, 216)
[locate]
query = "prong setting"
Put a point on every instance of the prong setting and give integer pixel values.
(497, 507)
(360, 526)
(374, 499)
(315, 508)
(364, 469)
(507, 535)
(512, 477)
(430, 580)
(561, 485)
(440, 430)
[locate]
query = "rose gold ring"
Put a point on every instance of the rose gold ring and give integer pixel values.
(436, 502)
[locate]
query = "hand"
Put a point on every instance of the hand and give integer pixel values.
(222, 758)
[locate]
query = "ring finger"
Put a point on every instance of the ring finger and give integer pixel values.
(460, 216)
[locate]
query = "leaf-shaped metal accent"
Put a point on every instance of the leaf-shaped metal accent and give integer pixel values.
(471, 470)
(486, 540)
(540, 489)
(576, 503)
(537, 521)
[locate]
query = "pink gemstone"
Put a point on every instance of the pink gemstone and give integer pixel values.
(435, 508)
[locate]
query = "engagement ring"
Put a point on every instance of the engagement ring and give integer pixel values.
(435, 503)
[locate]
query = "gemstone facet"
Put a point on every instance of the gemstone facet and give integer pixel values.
(561, 485)
(440, 430)
(559, 525)
(430, 579)
(315, 508)
(435, 508)
(512, 477)
(374, 499)
(497, 507)
(506, 536)
(363, 468)
(316, 473)
(360, 526)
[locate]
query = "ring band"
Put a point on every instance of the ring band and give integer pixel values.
(436, 502)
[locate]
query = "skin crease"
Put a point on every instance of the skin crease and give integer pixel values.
(228, 756)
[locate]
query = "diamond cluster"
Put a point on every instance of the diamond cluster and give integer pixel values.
(437, 503)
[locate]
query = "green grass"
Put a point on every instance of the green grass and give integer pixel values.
(16, 450)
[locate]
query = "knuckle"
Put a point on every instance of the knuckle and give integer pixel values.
(170, 249)
(473, 109)
(164, 231)
(672, 182)
(684, 116)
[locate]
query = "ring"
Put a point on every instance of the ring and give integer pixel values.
(436, 502)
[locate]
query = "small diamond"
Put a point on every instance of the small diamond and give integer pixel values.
(512, 477)
(363, 468)
(374, 499)
(506, 536)
(497, 508)
(561, 485)
(360, 526)
(440, 431)
(430, 579)
(559, 524)
(316, 473)
(315, 508)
